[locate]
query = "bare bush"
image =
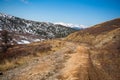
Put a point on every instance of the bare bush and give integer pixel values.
(5, 41)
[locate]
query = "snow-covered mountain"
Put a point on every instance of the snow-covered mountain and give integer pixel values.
(74, 26)
(32, 30)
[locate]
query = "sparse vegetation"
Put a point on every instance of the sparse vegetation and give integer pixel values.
(42, 29)
(89, 35)
(6, 40)
(20, 54)
(104, 40)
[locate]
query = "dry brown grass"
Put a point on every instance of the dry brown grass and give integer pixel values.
(106, 56)
(9, 64)
(105, 51)
(21, 54)
(90, 35)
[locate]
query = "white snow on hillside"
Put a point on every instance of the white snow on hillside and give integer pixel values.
(23, 42)
(71, 25)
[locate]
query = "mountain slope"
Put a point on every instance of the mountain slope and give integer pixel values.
(89, 35)
(104, 40)
(43, 30)
(106, 55)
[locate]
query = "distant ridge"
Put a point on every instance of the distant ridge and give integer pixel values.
(27, 30)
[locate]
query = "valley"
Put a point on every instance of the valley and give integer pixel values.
(88, 54)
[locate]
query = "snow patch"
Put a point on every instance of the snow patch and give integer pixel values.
(83, 26)
(37, 40)
(23, 42)
(5, 15)
(28, 24)
(71, 25)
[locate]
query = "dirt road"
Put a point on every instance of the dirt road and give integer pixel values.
(69, 63)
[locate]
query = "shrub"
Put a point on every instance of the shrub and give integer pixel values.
(6, 40)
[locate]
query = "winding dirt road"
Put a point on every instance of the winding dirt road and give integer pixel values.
(69, 63)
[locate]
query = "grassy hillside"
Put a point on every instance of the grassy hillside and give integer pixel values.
(89, 35)
(20, 54)
(104, 40)
(105, 55)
